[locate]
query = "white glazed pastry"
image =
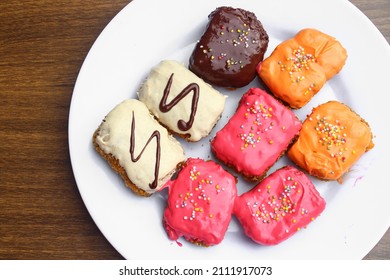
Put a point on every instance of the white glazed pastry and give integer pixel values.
(137, 147)
(181, 101)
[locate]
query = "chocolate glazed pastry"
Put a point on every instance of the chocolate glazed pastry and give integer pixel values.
(232, 46)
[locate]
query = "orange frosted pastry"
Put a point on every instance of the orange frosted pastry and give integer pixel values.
(299, 67)
(332, 139)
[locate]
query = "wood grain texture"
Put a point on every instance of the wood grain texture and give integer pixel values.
(42, 46)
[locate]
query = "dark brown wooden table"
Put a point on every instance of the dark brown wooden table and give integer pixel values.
(42, 46)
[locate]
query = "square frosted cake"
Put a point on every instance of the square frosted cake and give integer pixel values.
(332, 139)
(181, 101)
(257, 135)
(200, 202)
(299, 67)
(137, 147)
(279, 206)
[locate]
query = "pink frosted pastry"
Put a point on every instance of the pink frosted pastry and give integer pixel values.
(200, 203)
(257, 134)
(282, 204)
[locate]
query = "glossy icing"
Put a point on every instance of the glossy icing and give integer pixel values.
(200, 202)
(332, 139)
(230, 49)
(155, 135)
(256, 135)
(279, 206)
(181, 101)
(299, 67)
(141, 145)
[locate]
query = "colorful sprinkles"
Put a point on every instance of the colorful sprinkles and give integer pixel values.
(298, 62)
(258, 120)
(331, 136)
(280, 206)
(236, 35)
(194, 199)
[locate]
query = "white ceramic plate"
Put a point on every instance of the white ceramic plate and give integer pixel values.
(139, 37)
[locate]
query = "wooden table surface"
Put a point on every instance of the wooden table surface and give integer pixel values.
(42, 47)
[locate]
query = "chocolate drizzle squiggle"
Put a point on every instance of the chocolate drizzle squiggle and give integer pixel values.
(164, 107)
(156, 134)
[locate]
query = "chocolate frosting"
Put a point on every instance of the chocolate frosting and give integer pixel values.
(165, 107)
(232, 46)
(155, 134)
